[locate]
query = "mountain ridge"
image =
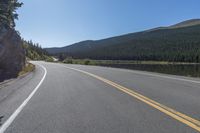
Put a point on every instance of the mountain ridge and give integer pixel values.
(182, 24)
(186, 23)
(144, 45)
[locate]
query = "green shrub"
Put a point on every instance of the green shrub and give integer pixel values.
(86, 62)
(68, 61)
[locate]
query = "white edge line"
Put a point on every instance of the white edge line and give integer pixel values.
(20, 108)
(167, 77)
(157, 75)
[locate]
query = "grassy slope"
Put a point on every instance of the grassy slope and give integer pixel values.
(34, 54)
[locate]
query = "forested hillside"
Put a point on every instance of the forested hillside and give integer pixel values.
(180, 42)
(34, 51)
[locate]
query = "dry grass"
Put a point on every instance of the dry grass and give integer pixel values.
(28, 68)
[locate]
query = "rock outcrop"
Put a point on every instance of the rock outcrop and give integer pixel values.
(12, 56)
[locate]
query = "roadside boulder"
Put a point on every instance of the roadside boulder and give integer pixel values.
(12, 56)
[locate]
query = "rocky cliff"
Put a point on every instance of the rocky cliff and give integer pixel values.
(12, 56)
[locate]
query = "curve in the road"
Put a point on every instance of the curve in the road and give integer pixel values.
(187, 120)
(191, 122)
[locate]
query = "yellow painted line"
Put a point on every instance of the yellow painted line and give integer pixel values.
(191, 122)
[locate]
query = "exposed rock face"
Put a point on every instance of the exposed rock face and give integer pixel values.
(12, 56)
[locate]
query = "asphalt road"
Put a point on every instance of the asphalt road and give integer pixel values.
(61, 98)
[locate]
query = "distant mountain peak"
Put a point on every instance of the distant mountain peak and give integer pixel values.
(186, 23)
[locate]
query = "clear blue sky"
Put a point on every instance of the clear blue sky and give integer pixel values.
(56, 23)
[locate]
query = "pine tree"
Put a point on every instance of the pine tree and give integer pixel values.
(8, 12)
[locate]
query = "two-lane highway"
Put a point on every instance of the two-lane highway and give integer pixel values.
(74, 98)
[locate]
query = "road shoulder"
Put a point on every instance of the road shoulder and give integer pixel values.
(13, 92)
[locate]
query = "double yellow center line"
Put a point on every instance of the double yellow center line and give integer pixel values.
(191, 122)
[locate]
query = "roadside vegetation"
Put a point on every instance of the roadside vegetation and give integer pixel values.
(28, 68)
(122, 62)
(8, 13)
(34, 51)
(176, 68)
(70, 60)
